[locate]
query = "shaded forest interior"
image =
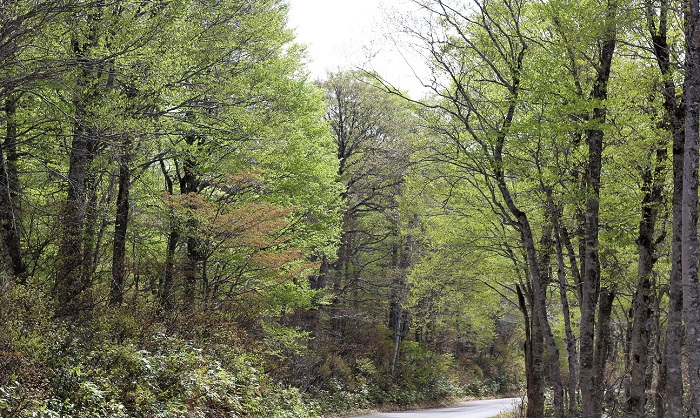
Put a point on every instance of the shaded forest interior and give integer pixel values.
(192, 227)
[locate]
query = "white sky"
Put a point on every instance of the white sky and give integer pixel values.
(342, 34)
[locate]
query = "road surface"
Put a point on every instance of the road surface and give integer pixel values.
(472, 409)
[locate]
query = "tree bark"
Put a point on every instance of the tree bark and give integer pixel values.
(167, 288)
(691, 295)
(673, 122)
(674, 327)
(590, 386)
(652, 186)
(189, 184)
(70, 283)
(570, 339)
(659, 366)
(398, 314)
(602, 346)
(534, 361)
(121, 223)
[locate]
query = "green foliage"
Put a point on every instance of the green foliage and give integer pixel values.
(82, 371)
(236, 196)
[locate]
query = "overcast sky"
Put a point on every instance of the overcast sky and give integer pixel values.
(342, 34)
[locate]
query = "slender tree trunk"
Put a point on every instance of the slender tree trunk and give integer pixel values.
(190, 271)
(674, 327)
(691, 295)
(396, 304)
(167, 288)
(659, 369)
(539, 310)
(652, 185)
(602, 346)
(120, 225)
(91, 238)
(570, 339)
(398, 314)
(590, 285)
(590, 386)
(189, 184)
(673, 123)
(70, 283)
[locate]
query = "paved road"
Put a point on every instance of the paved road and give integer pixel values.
(473, 409)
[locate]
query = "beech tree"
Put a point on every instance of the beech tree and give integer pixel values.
(689, 203)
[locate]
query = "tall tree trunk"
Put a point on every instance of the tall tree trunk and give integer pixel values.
(673, 122)
(121, 223)
(590, 386)
(652, 186)
(674, 327)
(70, 282)
(691, 295)
(10, 193)
(396, 305)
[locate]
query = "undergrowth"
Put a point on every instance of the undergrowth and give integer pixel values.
(137, 362)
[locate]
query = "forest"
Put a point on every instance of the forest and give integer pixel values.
(192, 227)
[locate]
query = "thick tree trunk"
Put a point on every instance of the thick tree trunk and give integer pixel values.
(70, 283)
(639, 340)
(540, 312)
(552, 360)
(121, 223)
(691, 295)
